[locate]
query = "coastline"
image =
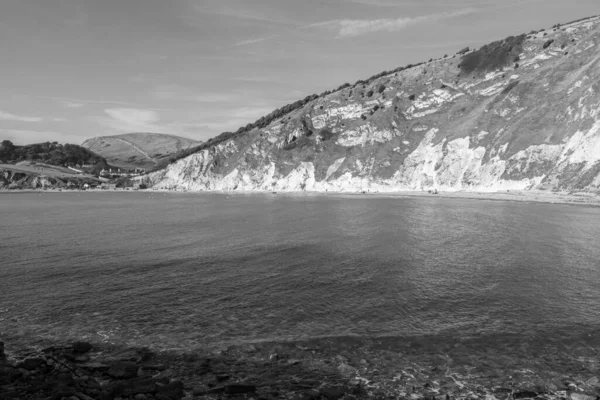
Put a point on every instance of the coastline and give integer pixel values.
(531, 196)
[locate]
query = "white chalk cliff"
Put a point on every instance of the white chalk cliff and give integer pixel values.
(522, 113)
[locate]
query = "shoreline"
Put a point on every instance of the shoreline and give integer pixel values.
(312, 369)
(532, 196)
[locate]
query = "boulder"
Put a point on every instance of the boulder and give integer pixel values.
(332, 392)
(153, 367)
(238, 388)
(172, 390)
(222, 378)
(525, 394)
(31, 363)
(123, 370)
(582, 396)
(63, 391)
(594, 381)
(8, 375)
(81, 347)
(94, 367)
(135, 386)
(347, 370)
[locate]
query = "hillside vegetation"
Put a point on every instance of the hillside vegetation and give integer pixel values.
(51, 153)
(139, 150)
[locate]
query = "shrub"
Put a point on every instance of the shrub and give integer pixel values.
(381, 88)
(326, 134)
(363, 116)
(369, 93)
(463, 51)
(344, 86)
(510, 87)
(547, 43)
(412, 97)
(493, 56)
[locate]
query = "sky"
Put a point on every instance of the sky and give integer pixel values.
(75, 69)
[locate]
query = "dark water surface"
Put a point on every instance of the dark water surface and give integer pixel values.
(181, 271)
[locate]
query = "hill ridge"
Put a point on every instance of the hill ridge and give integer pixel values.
(519, 113)
(139, 149)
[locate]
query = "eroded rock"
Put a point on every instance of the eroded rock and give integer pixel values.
(123, 370)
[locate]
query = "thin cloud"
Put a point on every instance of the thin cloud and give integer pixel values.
(74, 101)
(20, 118)
(355, 27)
(72, 104)
(253, 41)
(256, 79)
(180, 93)
(377, 3)
(131, 120)
(242, 13)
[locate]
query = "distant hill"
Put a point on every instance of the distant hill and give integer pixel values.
(51, 153)
(139, 150)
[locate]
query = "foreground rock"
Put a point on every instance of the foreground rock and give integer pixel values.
(494, 368)
(66, 373)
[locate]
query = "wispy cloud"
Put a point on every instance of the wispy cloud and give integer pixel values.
(171, 92)
(378, 3)
(253, 41)
(242, 12)
(131, 120)
(20, 118)
(72, 104)
(356, 27)
(75, 102)
(256, 79)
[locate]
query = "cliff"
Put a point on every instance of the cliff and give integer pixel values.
(138, 150)
(41, 177)
(518, 114)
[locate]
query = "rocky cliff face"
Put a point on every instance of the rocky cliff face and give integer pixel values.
(518, 114)
(20, 180)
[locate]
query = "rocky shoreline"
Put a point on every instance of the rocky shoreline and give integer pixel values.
(335, 368)
(79, 371)
(527, 196)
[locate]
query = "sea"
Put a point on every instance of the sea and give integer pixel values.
(184, 271)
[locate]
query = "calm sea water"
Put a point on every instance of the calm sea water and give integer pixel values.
(180, 271)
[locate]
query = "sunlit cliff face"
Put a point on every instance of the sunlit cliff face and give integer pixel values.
(519, 114)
